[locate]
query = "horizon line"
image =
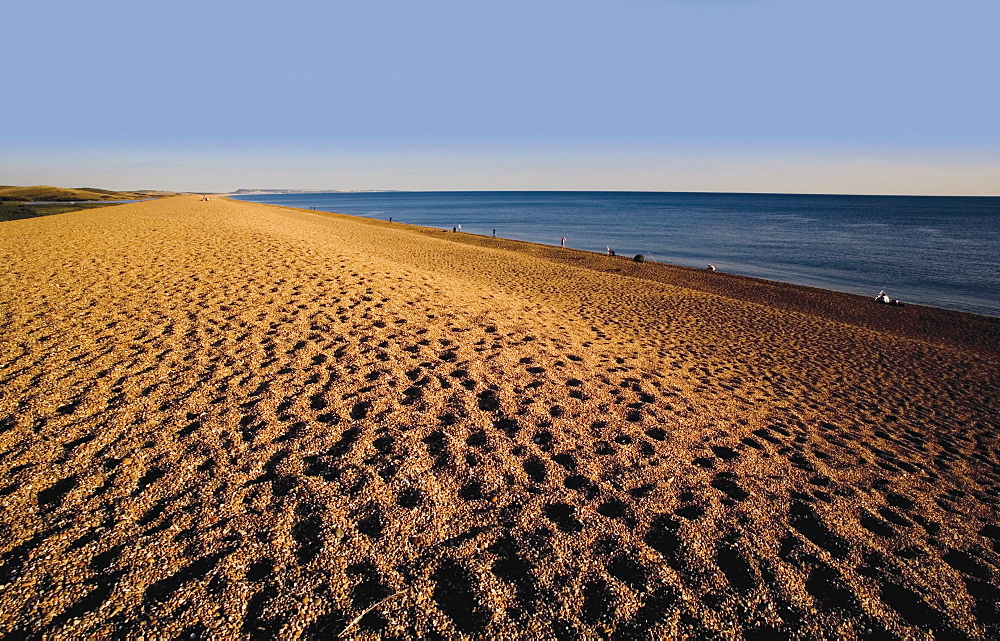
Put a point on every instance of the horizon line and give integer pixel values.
(279, 192)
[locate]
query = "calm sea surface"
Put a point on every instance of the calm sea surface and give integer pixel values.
(939, 251)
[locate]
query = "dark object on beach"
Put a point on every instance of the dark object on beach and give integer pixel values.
(884, 299)
(639, 258)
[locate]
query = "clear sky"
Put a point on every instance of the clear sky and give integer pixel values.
(842, 96)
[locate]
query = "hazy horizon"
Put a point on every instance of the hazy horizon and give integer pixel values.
(776, 175)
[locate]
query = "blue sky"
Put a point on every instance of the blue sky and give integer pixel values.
(727, 95)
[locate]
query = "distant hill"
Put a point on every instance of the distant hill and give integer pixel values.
(61, 194)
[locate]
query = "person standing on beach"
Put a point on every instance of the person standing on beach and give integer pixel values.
(459, 228)
(494, 232)
(562, 243)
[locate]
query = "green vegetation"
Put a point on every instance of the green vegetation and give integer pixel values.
(14, 201)
(17, 211)
(106, 192)
(60, 194)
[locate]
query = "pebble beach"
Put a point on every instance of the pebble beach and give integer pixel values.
(230, 420)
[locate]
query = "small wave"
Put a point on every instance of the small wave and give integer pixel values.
(792, 218)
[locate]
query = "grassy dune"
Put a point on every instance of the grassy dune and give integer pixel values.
(14, 200)
(230, 420)
(61, 194)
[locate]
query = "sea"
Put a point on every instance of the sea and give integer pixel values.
(929, 250)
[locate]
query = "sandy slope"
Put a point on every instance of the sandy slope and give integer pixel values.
(236, 420)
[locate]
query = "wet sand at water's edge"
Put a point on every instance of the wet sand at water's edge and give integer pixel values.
(231, 420)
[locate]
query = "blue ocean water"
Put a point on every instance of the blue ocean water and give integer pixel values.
(930, 250)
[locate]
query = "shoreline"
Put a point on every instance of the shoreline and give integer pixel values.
(862, 272)
(922, 322)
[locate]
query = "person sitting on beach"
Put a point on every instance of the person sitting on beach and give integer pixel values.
(710, 268)
(882, 297)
